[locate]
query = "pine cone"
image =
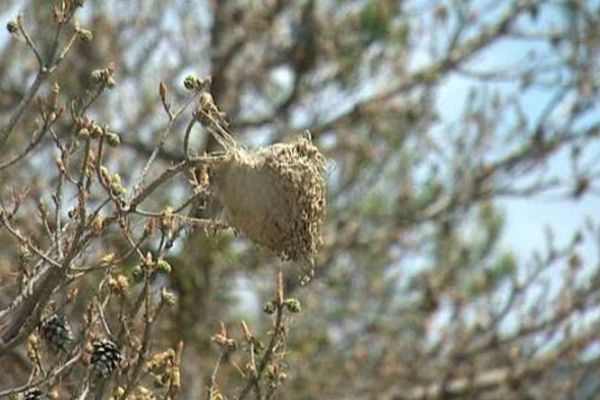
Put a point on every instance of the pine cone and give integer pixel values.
(56, 330)
(106, 357)
(35, 394)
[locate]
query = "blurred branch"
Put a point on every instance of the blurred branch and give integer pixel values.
(437, 70)
(494, 378)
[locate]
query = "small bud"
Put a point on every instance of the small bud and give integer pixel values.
(116, 186)
(36, 124)
(293, 305)
(12, 27)
(106, 260)
(33, 345)
(167, 220)
(206, 101)
(83, 134)
(110, 82)
(85, 35)
(105, 175)
(269, 308)
(113, 139)
(168, 297)
(149, 227)
(98, 75)
(119, 285)
(119, 391)
(116, 179)
(34, 341)
(96, 132)
(163, 266)
(148, 260)
(25, 255)
(137, 273)
(162, 90)
(53, 98)
(72, 295)
(272, 371)
(72, 213)
(175, 378)
(60, 165)
(97, 225)
(191, 82)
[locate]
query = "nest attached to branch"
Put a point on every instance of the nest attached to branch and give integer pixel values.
(275, 195)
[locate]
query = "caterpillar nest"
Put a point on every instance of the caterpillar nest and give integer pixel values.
(275, 195)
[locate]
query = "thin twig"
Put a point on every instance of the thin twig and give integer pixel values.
(213, 376)
(186, 138)
(275, 338)
(51, 374)
(161, 142)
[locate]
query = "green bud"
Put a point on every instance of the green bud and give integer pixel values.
(293, 305)
(104, 174)
(168, 297)
(163, 266)
(83, 134)
(137, 273)
(113, 139)
(116, 186)
(269, 308)
(12, 27)
(98, 75)
(72, 213)
(110, 82)
(25, 255)
(191, 82)
(115, 180)
(96, 132)
(85, 35)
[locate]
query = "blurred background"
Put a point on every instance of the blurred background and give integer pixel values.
(460, 255)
